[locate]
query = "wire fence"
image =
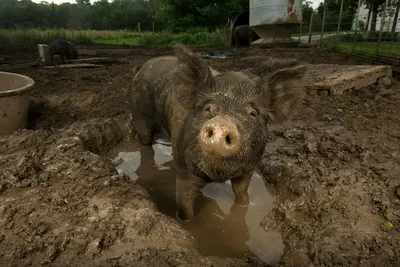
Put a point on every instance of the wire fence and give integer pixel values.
(374, 38)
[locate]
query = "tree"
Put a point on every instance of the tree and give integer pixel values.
(396, 15)
(83, 2)
(375, 7)
(307, 10)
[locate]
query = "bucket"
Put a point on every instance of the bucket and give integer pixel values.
(14, 101)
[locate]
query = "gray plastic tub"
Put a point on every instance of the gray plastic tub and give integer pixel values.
(14, 101)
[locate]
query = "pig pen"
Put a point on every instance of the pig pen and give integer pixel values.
(76, 191)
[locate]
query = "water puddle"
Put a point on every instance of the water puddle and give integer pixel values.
(217, 55)
(219, 227)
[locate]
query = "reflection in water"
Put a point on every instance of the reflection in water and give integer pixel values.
(220, 227)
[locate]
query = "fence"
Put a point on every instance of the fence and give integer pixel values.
(374, 38)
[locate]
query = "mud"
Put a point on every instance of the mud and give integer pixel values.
(328, 194)
(220, 227)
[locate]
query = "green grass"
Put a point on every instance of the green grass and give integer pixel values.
(21, 40)
(389, 49)
(364, 48)
(166, 39)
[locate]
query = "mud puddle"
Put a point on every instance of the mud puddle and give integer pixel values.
(220, 228)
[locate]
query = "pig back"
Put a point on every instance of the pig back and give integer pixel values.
(156, 82)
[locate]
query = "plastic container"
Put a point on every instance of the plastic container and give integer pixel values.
(14, 101)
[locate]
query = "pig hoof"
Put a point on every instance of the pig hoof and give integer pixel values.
(146, 141)
(184, 218)
(242, 202)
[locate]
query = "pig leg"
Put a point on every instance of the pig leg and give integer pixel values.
(142, 115)
(188, 186)
(240, 186)
(145, 129)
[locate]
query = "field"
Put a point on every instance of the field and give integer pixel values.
(327, 191)
(22, 40)
(388, 49)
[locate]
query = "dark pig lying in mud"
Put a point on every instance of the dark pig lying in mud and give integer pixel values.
(244, 35)
(63, 48)
(217, 122)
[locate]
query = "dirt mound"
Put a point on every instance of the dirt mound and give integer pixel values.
(336, 175)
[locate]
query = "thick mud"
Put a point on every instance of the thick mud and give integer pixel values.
(77, 190)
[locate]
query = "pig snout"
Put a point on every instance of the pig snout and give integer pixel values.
(219, 136)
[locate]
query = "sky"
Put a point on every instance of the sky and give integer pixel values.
(315, 2)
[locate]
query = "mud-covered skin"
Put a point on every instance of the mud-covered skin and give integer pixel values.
(244, 35)
(181, 94)
(63, 48)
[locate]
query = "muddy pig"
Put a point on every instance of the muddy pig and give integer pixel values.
(64, 49)
(217, 123)
(244, 35)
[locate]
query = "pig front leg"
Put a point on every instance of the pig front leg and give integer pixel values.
(240, 187)
(145, 129)
(63, 60)
(188, 186)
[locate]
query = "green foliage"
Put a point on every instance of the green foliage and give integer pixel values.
(118, 14)
(20, 40)
(177, 15)
(174, 15)
(332, 8)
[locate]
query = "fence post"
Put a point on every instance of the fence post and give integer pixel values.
(323, 25)
(310, 31)
(138, 26)
(339, 22)
(378, 42)
(356, 25)
(301, 26)
(153, 26)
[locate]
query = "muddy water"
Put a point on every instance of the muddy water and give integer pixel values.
(220, 228)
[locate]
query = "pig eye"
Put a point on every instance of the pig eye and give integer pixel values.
(253, 113)
(210, 108)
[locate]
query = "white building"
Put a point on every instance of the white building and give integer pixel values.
(363, 16)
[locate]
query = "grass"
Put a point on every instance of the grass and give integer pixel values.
(21, 40)
(389, 49)
(365, 48)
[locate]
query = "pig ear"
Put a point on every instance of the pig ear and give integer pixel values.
(194, 70)
(279, 94)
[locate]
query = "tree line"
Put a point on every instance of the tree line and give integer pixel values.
(332, 8)
(173, 15)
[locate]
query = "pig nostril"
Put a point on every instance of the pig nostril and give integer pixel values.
(228, 139)
(210, 132)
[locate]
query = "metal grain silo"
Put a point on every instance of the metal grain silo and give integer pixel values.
(274, 21)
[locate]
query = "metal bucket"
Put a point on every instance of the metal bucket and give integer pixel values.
(14, 101)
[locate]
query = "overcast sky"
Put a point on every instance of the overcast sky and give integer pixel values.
(315, 2)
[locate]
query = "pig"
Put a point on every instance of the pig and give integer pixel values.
(244, 35)
(64, 49)
(217, 123)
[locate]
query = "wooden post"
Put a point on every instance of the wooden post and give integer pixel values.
(339, 22)
(138, 26)
(378, 42)
(323, 24)
(44, 53)
(356, 25)
(310, 31)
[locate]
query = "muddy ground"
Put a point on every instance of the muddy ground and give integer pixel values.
(335, 168)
